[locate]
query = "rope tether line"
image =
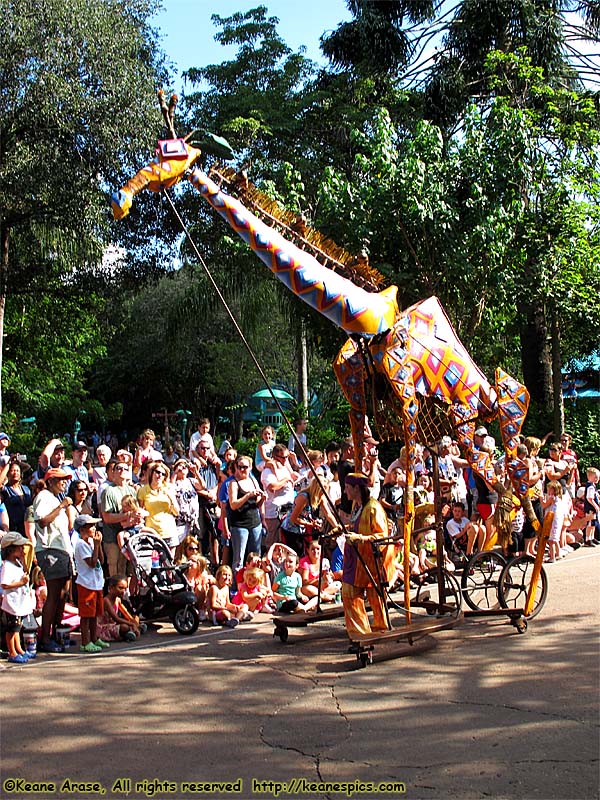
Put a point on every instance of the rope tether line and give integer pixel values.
(252, 355)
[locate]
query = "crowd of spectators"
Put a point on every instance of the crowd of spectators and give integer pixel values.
(251, 530)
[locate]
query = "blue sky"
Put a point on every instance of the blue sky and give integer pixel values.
(188, 33)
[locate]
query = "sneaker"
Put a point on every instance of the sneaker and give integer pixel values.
(101, 644)
(231, 623)
(50, 647)
(29, 655)
(90, 647)
(130, 636)
(203, 616)
(248, 616)
(20, 658)
(575, 546)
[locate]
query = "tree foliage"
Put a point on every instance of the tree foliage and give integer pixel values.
(77, 86)
(469, 172)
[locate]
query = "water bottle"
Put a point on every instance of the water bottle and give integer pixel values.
(30, 640)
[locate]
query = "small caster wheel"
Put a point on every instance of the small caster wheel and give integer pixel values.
(430, 611)
(283, 634)
(521, 625)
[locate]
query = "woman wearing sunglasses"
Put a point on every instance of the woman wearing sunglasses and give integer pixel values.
(245, 523)
(80, 495)
(158, 498)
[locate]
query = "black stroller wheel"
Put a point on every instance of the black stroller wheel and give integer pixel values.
(186, 620)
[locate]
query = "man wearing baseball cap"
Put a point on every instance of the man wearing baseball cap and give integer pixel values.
(51, 457)
(78, 466)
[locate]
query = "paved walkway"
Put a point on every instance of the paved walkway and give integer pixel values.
(476, 712)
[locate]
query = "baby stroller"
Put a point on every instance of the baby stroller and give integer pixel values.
(159, 588)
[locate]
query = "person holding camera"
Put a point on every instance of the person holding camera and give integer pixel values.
(371, 466)
(245, 522)
(187, 484)
(16, 497)
(4, 444)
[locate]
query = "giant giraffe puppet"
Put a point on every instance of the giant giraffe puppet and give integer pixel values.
(411, 363)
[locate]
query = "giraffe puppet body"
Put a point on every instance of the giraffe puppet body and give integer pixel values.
(417, 351)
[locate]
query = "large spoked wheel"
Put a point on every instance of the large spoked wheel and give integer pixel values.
(480, 580)
(514, 585)
(186, 620)
(428, 593)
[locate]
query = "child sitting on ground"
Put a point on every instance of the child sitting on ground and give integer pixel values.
(200, 581)
(413, 561)
(287, 588)
(252, 560)
(316, 572)
(273, 563)
(253, 592)
(428, 550)
(38, 581)
(116, 621)
(220, 608)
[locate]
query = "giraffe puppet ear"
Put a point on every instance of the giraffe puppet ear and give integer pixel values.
(210, 143)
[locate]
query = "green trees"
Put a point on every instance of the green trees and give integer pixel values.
(488, 195)
(470, 173)
(77, 106)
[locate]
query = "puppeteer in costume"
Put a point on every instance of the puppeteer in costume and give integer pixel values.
(360, 571)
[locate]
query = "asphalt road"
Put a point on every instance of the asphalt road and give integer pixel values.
(478, 711)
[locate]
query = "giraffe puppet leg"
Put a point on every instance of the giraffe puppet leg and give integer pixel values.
(393, 359)
(513, 402)
(351, 375)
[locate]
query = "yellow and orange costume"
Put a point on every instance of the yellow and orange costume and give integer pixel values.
(361, 571)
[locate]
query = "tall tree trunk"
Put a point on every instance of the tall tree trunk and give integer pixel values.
(559, 406)
(535, 353)
(5, 237)
(302, 365)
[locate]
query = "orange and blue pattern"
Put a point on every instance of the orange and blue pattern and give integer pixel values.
(348, 306)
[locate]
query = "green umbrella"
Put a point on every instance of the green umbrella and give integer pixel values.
(280, 394)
